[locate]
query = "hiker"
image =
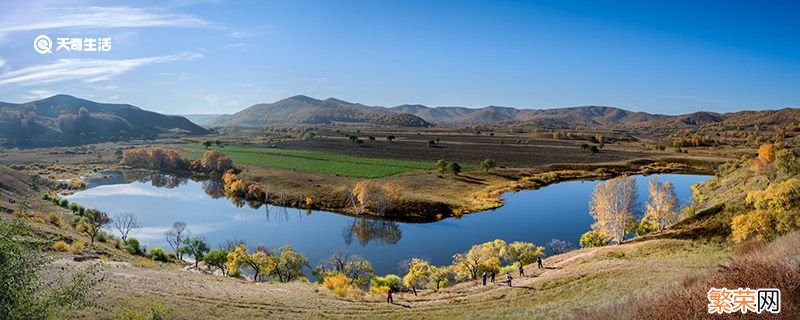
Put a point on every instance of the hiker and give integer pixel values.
(508, 278)
(389, 296)
(491, 276)
(483, 276)
(521, 270)
(539, 261)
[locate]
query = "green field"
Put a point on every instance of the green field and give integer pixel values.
(313, 161)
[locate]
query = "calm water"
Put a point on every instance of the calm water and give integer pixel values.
(558, 211)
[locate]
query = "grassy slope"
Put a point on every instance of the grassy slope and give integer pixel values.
(314, 161)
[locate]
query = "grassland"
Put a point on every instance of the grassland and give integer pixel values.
(314, 161)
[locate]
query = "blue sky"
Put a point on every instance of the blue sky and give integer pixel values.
(195, 56)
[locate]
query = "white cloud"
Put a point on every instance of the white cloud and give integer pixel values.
(2, 63)
(87, 70)
(105, 17)
(38, 94)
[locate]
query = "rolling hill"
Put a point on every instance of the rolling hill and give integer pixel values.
(67, 120)
(306, 110)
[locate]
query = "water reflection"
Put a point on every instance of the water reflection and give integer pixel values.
(367, 230)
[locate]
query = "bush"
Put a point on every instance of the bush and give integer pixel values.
(77, 246)
(61, 246)
(54, 219)
(132, 246)
(390, 281)
(158, 254)
(340, 284)
(593, 239)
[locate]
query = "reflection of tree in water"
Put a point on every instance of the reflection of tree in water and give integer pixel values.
(159, 180)
(367, 230)
(213, 188)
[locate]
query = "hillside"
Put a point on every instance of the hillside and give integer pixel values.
(67, 120)
(306, 110)
(201, 119)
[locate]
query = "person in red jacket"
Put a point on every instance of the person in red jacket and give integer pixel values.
(389, 296)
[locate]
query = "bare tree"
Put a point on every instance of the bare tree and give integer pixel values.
(124, 223)
(560, 246)
(175, 237)
(612, 207)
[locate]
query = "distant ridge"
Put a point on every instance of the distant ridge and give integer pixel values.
(67, 120)
(306, 110)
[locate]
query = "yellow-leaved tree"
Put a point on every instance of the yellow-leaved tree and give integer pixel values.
(662, 210)
(418, 275)
(483, 257)
(777, 211)
(522, 253)
(612, 205)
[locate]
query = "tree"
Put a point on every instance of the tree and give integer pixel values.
(787, 162)
(612, 206)
(216, 259)
(26, 295)
(594, 149)
(74, 207)
(92, 221)
(290, 264)
(355, 268)
(481, 257)
(196, 248)
(584, 146)
(391, 138)
(662, 210)
(124, 223)
(559, 246)
(418, 275)
(441, 164)
(207, 144)
(454, 167)
(522, 253)
(353, 139)
(431, 143)
(174, 237)
(309, 135)
(766, 155)
(372, 138)
(216, 162)
(488, 164)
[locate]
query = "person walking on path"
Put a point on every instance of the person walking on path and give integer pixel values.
(389, 296)
(483, 276)
(508, 278)
(491, 276)
(521, 270)
(539, 261)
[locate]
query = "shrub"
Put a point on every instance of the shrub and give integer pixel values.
(158, 254)
(77, 246)
(132, 246)
(54, 219)
(340, 284)
(390, 281)
(593, 239)
(61, 246)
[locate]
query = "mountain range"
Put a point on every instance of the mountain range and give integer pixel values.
(306, 110)
(67, 120)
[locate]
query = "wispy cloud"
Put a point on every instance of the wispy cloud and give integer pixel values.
(105, 17)
(86, 70)
(2, 63)
(38, 94)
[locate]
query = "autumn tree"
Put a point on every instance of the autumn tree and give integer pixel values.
(662, 210)
(418, 275)
(775, 212)
(593, 238)
(124, 223)
(521, 253)
(787, 162)
(612, 206)
(216, 162)
(354, 267)
(558, 246)
(481, 257)
(290, 264)
(92, 221)
(766, 155)
(488, 164)
(441, 164)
